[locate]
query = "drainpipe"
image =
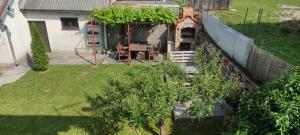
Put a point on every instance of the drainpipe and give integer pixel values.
(16, 63)
(105, 35)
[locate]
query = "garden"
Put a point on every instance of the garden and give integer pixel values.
(139, 99)
(106, 99)
(51, 103)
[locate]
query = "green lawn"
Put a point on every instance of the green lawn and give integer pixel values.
(51, 103)
(285, 46)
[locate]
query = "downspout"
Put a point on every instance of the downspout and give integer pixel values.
(16, 63)
(105, 36)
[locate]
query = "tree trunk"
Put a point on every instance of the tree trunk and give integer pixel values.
(161, 127)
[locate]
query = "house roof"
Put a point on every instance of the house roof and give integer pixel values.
(63, 5)
(3, 6)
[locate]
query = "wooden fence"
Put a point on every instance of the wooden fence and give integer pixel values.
(264, 67)
(209, 4)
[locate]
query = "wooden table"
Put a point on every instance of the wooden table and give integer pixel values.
(138, 47)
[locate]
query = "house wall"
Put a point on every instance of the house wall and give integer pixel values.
(63, 40)
(20, 37)
(6, 58)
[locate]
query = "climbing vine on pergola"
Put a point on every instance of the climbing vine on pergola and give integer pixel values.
(125, 15)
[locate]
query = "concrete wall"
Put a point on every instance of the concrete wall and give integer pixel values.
(153, 34)
(147, 32)
(20, 37)
(62, 40)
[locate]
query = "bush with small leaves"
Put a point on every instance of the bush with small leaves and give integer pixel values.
(273, 109)
(39, 56)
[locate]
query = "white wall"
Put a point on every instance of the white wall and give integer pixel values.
(5, 52)
(61, 40)
(20, 36)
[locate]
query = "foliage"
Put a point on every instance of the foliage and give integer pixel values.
(122, 15)
(181, 3)
(149, 93)
(39, 55)
(273, 108)
(211, 84)
(141, 94)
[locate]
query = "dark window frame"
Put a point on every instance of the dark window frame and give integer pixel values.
(69, 23)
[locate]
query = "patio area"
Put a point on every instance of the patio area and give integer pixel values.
(89, 59)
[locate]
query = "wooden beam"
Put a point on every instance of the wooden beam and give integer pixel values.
(129, 36)
(94, 43)
(168, 35)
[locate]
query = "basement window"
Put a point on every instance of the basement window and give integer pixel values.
(69, 23)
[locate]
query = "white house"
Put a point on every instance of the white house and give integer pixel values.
(14, 34)
(63, 23)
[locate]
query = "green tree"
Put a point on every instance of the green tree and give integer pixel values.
(149, 92)
(211, 85)
(272, 109)
(146, 93)
(39, 56)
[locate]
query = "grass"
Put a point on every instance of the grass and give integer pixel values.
(285, 46)
(51, 103)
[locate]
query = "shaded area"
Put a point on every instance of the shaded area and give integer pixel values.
(54, 125)
(208, 126)
(40, 125)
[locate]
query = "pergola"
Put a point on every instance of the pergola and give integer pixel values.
(127, 15)
(129, 38)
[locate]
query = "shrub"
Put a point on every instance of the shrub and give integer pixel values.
(39, 56)
(145, 94)
(273, 108)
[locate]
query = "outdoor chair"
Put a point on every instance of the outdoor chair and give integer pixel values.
(153, 52)
(122, 51)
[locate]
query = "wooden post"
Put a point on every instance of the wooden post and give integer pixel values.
(129, 36)
(168, 35)
(94, 43)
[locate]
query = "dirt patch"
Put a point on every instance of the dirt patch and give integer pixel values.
(288, 12)
(282, 6)
(289, 19)
(287, 15)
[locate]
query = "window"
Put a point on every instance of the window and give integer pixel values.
(69, 23)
